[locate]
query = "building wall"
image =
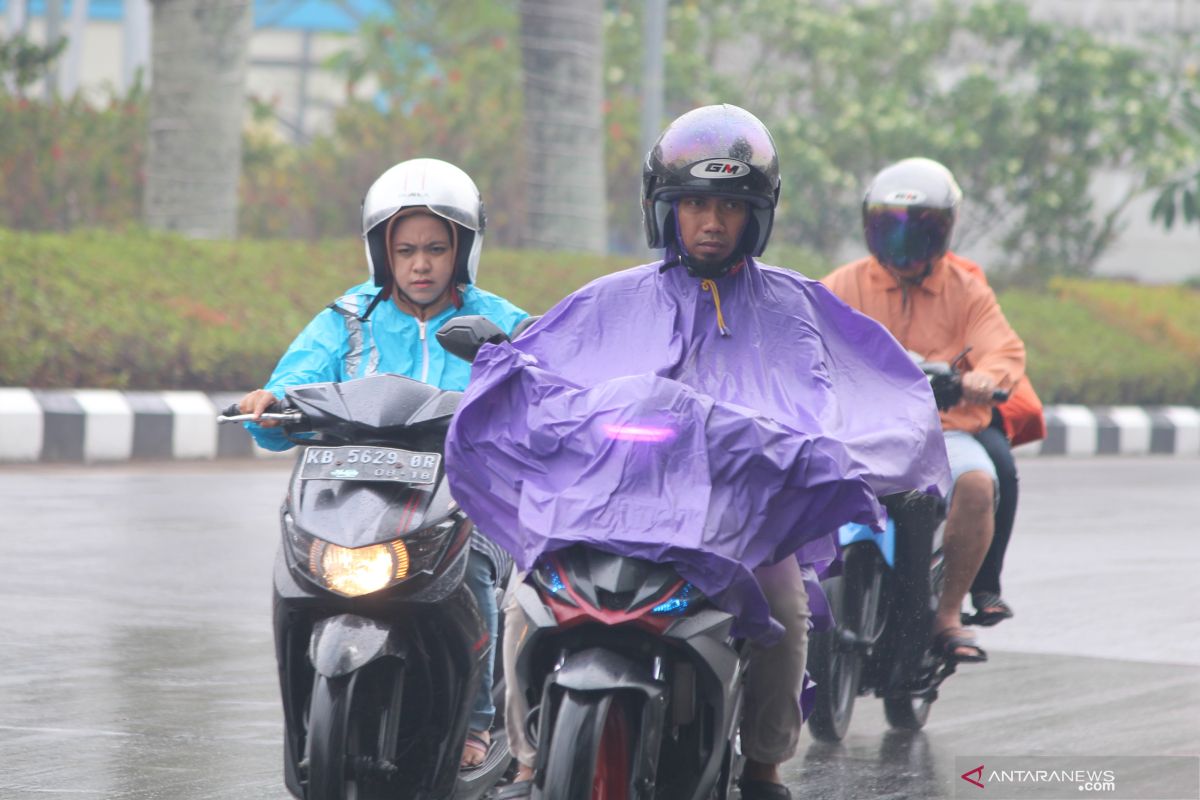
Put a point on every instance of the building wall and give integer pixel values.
(286, 70)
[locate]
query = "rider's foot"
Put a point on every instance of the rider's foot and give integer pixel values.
(990, 609)
(475, 749)
(521, 786)
(761, 781)
(954, 643)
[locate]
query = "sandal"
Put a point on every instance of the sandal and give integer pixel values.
(763, 790)
(475, 749)
(947, 643)
(990, 609)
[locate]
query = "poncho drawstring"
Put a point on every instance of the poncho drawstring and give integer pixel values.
(711, 287)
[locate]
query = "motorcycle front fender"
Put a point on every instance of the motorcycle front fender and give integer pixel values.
(600, 670)
(345, 643)
(885, 540)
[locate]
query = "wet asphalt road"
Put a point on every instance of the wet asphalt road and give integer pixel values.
(136, 657)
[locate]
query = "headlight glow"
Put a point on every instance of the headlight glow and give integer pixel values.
(359, 570)
(356, 571)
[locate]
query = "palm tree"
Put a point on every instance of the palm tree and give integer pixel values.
(199, 53)
(562, 55)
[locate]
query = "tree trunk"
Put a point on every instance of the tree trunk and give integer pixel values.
(562, 55)
(199, 53)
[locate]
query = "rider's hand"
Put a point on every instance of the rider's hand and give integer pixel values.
(256, 403)
(977, 388)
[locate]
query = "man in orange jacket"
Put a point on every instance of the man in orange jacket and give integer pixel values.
(939, 313)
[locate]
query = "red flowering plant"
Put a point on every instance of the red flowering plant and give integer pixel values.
(65, 162)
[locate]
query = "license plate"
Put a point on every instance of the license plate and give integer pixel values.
(369, 464)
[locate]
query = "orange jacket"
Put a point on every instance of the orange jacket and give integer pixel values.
(1023, 415)
(947, 313)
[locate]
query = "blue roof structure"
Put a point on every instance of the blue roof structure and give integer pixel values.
(335, 16)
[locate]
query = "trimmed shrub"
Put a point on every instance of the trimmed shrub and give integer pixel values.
(142, 310)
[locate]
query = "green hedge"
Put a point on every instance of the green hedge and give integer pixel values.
(141, 310)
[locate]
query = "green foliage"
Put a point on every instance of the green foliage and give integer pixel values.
(1025, 113)
(1099, 343)
(447, 76)
(71, 162)
(23, 62)
(1180, 196)
(65, 162)
(146, 310)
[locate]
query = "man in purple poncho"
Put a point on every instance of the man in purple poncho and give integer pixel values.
(778, 413)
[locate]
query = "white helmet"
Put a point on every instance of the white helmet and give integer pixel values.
(429, 183)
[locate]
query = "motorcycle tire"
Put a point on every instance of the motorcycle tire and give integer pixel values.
(905, 710)
(835, 662)
(475, 783)
(590, 755)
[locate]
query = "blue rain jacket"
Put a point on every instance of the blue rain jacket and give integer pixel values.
(337, 346)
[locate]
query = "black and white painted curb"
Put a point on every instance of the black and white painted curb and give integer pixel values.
(96, 425)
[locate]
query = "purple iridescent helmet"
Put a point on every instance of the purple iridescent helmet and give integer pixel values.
(718, 150)
(909, 212)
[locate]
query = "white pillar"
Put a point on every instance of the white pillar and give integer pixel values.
(68, 80)
(17, 17)
(135, 30)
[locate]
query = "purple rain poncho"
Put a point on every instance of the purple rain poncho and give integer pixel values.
(625, 419)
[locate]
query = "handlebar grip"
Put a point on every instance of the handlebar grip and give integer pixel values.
(231, 410)
(1000, 395)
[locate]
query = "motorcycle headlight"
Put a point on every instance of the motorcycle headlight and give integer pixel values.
(357, 571)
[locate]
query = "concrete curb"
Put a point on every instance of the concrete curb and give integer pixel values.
(98, 425)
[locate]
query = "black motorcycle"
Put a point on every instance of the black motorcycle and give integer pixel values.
(379, 642)
(883, 595)
(633, 680)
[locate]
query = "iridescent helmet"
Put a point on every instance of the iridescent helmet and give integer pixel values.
(909, 212)
(442, 188)
(718, 150)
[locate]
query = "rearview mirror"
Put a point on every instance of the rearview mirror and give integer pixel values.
(463, 336)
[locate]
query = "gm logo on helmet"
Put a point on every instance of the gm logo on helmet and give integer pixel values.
(720, 168)
(905, 197)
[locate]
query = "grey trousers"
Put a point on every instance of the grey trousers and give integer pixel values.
(771, 717)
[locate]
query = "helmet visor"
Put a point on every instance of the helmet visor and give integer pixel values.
(904, 236)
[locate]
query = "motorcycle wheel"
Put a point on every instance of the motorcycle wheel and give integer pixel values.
(475, 783)
(328, 719)
(590, 756)
(907, 712)
(835, 663)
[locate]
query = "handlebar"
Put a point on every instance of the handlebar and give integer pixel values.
(946, 382)
(232, 413)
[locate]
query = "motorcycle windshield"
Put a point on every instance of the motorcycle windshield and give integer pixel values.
(378, 402)
(627, 421)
